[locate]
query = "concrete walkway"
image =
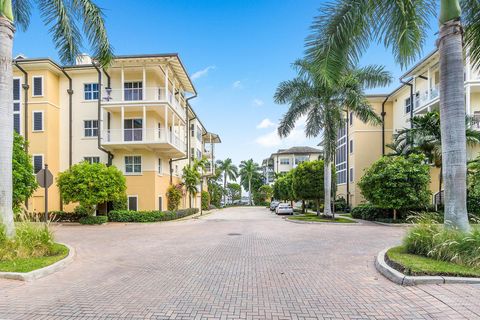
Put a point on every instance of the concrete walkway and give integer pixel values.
(236, 263)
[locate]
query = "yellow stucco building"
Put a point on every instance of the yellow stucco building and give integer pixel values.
(134, 115)
(360, 144)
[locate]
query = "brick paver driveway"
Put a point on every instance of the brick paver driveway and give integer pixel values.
(243, 263)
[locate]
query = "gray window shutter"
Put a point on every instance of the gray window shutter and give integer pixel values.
(16, 89)
(37, 86)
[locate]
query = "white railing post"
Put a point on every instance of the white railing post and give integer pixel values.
(144, 83)
(144, 124)
(122, 123)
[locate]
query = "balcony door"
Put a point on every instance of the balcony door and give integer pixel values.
(133, 129)
(133, 91)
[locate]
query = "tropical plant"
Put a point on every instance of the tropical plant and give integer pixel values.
(24, 182)
(205, 200)
(192, 177)
(229, 171)
(325, 105)
(234, 191)
(264, 193)
(174, 195)
(282, 188)
(397, 182)
(91, 184)
(248, 170)
(343, 30)
(62, 17)
(425, 137)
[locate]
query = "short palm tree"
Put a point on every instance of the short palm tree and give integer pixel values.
(230, 171)
(425, 137)
(248, 169)
(62, 16)
(192, 177)
(345, 28)
(325, 106)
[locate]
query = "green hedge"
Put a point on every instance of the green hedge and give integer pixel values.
(93, 220)
(62, 216)
(148, 216)
(369, 212)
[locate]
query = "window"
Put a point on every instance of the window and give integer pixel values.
(350, 119)
(199, 154)
(38, 86)
(133, 164)
(351, 146)
(92, 159)
(341, 157)
(37, 163)
(90, 91)
(90, 128)
(199, 133)
(16, 105)
(192, 130)
(351, 175)
(160, 170)
(37, 120)
(192, 153)
(176, 169)
(160, 204)
(133, 203)
(133, 129)
(285, 161)
(408, 105)
(133, 91)
(301, 159)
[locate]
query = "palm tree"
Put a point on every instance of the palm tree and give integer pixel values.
(62, 16)
(425, 137)
(192, 177)
(248, 169)
(230, 171)
(325, 106)
(344, 30)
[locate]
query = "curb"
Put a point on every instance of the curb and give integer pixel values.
(319, 222)
(401, 279)
(397, 225)
(43, 272)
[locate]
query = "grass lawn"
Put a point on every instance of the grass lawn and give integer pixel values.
(415, 265)
(315, 218)
(345, 215)
(27, 265)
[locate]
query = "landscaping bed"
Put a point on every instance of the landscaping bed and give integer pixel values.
(415, 265)
(149, 216)
(314, 218)
(58, 252)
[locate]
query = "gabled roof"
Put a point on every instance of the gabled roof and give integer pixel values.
(298, 150)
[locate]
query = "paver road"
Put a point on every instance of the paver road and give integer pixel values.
(242, 263)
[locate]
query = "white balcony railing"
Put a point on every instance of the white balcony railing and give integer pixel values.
(142, 94)
(423, 99)
(141, 136)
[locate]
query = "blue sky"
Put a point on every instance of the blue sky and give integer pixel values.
(237, 52)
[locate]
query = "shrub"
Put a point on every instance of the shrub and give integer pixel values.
(120, 203)
(62, 216)
(205, 200)
(148, 216)
(341, 204)
(82, 210)
(93, 220)
(174, 195)
(368, 212)
(432, 240)
(23, 179)
(211, 207)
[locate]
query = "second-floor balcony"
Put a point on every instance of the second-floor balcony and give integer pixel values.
(424, 98)
(157, 139)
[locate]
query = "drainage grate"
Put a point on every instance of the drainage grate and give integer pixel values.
(234, 234)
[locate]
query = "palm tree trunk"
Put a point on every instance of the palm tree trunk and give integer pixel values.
(452, 121)
(249, 191)
(225, 189)
(6, 125)
(440, 182)
(327, 175)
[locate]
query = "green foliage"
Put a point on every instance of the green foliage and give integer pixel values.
(82, 210)
(263, 194)
(91, 184)
(341, 204)
(369, 212)
(191, 175)
(473, 187)
(93, 220)
(205, 200)
(57, 252)
(307, 182)
(121, 203)
(397, 182)
(62, 216)
(432, 240)
(250, 172)
(234, 191)
(282, 188)
(148, 216)
(24, 182)
(174, 195)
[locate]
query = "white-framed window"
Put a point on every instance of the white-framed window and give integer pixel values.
(132, 203)
(17, 104)
(341, 156)
(301, 159)
(408, 105)
(37, 86)
(351, 175)
(285, 161)
(351, 146)
(133, 164)
(37, 162)
(350, 119)
(37, 121)
(192, 153)
(199, 154)
(160, 169)
(133, 91)
(90, 91)
(199, 133)
(92, 159)
(133, 129)
(90, 128)
(192, 130)
(176, 169)
(160, 203)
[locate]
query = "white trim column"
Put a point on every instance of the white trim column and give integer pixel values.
(429, 86)
(166, 123)
(122, 79)
(122, 122)
(144, 83)
(144, 124)
(166, 83)
(467, 99)
(468, 68)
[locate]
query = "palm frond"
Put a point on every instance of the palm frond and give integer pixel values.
(357, 103)
(471, 22)
(22, 10)
(95, 30)
(372, 76)
(59, 18)
(290, 118)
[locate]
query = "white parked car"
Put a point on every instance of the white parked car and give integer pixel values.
(284, 208)
(274, 205)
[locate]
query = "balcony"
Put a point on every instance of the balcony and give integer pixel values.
(142, 96)
(138, 138)
(423, 98)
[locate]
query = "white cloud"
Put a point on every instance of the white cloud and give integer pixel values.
(265, 123)
(258, 102)
(296, 136)
(202, 73)
(237, 84)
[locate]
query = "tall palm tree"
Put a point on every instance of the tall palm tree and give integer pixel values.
(425, 137)
(62, 16)
(345, 28)
(325, 105)
(248, 169)
(230, 171)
